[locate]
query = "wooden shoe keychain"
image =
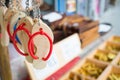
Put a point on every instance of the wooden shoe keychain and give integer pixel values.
(13, 25)
(42, 38)
(4, 36)
(23, 31)
(14, 20)
(11, 11)
(10, 14)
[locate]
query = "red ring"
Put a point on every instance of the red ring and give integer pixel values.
(8, 30)
(20, 27)
(31, 50)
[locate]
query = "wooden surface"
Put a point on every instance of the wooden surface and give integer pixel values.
(5, 71)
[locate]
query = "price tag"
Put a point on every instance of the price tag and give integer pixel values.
(70, 47)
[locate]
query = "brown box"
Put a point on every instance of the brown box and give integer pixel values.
(88, 26)
(89, 33)
(110, 46)
(104, 56)
(116, 61)
(84, 26)
(110, 70)
(115, 39)
(89, 40)
(76, 69)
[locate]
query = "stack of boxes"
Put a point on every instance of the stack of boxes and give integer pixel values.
(85, 27)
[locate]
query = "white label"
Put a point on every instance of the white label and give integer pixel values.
(53, 16)
(71, 47)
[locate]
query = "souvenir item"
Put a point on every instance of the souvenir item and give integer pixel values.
(42, 39)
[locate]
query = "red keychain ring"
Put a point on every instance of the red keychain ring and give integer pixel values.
(41, 32)
(20, 27)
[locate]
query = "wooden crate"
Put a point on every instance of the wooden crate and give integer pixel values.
(116, 61)
(80, 65)
(110, 69)
(110, 46)
(95, 55)
(115, 39)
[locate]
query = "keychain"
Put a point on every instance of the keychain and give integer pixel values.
(4, 36)
(43, 42)
(31, 37)
(12, 17)
(25, 35)
(13, 23)
(15, 18)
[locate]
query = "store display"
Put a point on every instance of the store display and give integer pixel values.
(90, 69)
(32, 38)
(100, 64)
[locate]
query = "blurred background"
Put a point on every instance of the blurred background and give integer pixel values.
(66, 17)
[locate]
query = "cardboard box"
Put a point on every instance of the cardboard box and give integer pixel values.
(110, 70)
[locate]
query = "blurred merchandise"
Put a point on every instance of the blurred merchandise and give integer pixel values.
(92, 68)
(85, 27)
(60, 6)
(70, 7)
(82, 7)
